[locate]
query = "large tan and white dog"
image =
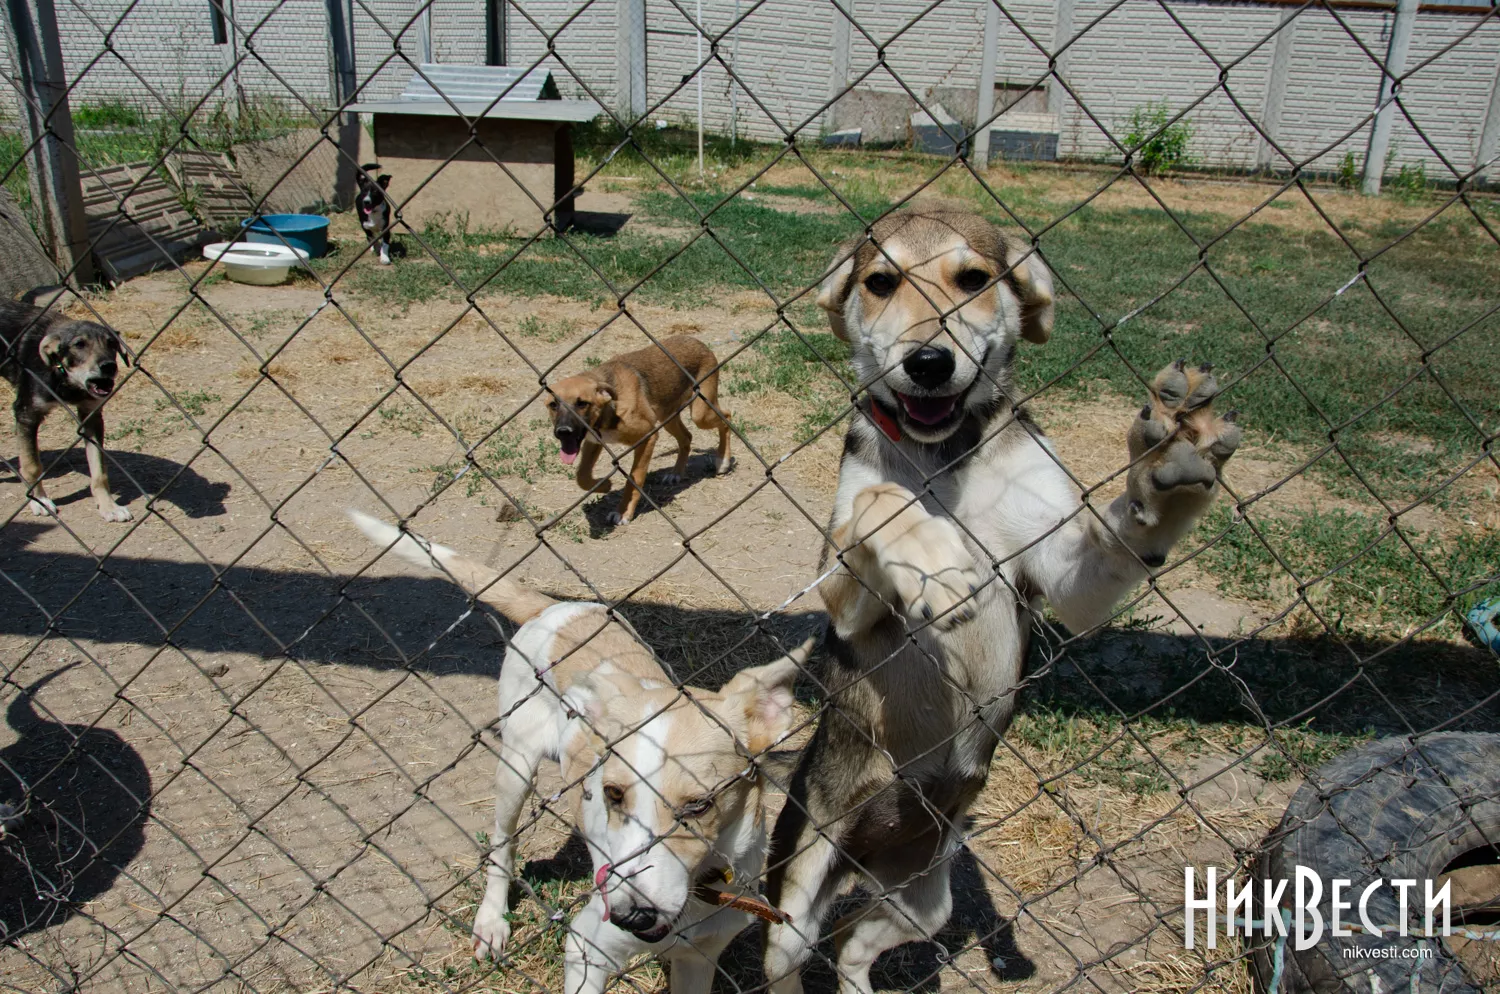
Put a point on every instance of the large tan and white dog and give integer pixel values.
(671, 804)
(952, 515)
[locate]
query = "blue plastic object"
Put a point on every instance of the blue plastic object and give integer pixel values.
(308, 232)
(1482, 620)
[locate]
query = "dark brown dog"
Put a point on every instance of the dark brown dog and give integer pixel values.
(50, 360)
(627, 400)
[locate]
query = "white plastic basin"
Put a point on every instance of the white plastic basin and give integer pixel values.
(258, 264)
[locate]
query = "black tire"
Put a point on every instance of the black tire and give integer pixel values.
(1389, 809)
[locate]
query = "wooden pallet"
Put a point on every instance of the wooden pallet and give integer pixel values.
(136, 221)
(213, 185)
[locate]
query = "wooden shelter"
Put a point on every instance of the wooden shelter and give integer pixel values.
(489, 142)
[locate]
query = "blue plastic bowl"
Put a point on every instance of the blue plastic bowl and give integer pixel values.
(308, 232)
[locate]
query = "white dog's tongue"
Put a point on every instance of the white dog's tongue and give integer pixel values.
(599, 879)
(568, 457)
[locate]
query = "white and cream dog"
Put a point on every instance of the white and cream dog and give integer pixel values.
(671, 803)
(952, 516)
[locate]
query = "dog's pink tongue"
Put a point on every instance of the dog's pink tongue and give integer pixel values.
(568, 457)
(599, 879)
(928, 410)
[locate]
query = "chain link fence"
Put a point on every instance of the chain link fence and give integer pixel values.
(248, 749)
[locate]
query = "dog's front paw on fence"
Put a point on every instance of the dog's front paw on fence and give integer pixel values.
(933, 573)
(1178, 444)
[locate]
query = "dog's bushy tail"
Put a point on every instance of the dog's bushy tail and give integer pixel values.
(518, 603)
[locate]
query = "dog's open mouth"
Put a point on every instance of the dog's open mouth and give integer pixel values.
(99, 388)
(929, 411)
(569, 450)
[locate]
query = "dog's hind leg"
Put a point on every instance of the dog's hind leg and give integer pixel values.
(678, 430)
(27, 424)
(704, 416)
(906, 908)
(520, 754)
(93, 447)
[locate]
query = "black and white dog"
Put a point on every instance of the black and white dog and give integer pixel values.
(375, 210)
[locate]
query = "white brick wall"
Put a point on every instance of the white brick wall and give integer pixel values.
(1136, 53)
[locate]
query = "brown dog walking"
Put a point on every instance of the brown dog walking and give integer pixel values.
(626, 400)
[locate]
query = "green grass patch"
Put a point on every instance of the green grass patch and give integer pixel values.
(1362, 580)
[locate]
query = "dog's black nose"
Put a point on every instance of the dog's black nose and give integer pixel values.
(108, 368)
(637, 920)
(929, 367)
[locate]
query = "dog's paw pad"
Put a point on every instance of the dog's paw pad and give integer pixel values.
(1182, 466)
(1171, 384)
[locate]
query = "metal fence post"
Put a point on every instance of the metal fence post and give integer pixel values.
(630, 60)
(341, 86)
(1395, 65)
(1281, 64)
(986, 103)
(55, 187)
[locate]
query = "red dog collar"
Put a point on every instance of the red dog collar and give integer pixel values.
(884, 420)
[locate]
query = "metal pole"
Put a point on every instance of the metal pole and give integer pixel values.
(424, 32)
(341, 87)
(839, 78)
(700, 89)
(1489, 139)
(1395, 65)
(986, 103)
(1281, 67)
(56, 191)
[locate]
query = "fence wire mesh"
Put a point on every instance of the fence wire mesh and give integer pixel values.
(248, 749)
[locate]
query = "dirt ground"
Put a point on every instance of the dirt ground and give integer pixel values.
(309, 727)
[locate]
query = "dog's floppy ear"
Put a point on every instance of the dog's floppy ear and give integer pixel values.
(383, 180)
(50, 345)
(837, 283)
(605, 393)
(1034, 281)
(118, 340)
(763, 696)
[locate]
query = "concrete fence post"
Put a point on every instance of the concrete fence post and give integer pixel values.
(52, 164)
(1062, 33)
(1271, 112)
(985, 106)
(1385, 115)
(630, 60)
(1489, 138)
(342, 85)
(838, 77)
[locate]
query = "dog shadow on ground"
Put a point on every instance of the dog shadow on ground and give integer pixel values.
(660, 492)
(187, 489)
(73, 807)
(1330, 684)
